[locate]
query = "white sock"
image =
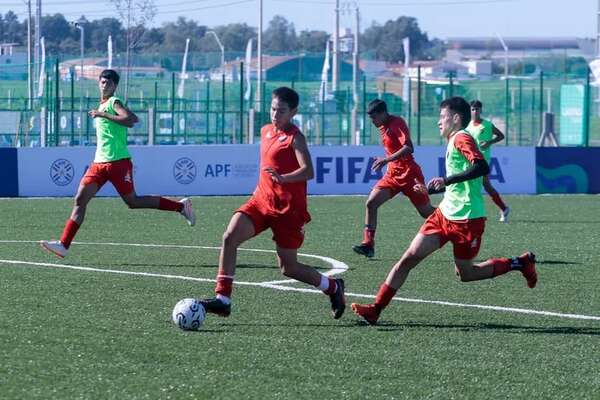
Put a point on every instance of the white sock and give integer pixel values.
(324, 283)
(224, 299)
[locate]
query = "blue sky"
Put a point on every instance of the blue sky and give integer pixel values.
(439, 18)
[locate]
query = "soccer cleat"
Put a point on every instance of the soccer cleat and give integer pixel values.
(216, 306)
(504, 214)
(187, 211)
(368, 312)
(528, 269)
(364, 250)
(338, 300)
(55, 247)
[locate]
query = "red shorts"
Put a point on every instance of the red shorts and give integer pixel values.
(405, 185)
(465, 235)
(288, 228)
(119, 173)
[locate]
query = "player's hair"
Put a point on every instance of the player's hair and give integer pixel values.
(458, 105)
(376, 106)
(110, 74)
(476, 104)
(287, 95)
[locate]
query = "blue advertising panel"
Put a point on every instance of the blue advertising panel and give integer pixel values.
(567, 170)
(9, 177)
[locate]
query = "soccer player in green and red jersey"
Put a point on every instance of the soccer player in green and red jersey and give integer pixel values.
(486, 134)
(459, 219)
(112, 162)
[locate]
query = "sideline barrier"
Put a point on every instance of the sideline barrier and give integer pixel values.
(9, 183)
(233, 169)
(568, 170)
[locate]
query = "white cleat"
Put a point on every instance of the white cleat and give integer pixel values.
(55, 247)
(504, 214)
(188, 212)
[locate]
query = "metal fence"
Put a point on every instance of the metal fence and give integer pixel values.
(216, 111)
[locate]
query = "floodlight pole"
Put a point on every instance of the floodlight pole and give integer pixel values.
(79, 25)
(505, 55)
(259, 69)
(220, 47)
(29, 65)
(336, 48)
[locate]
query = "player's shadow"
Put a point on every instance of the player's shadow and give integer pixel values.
(196, 265)
(512, 329)
(557, 262)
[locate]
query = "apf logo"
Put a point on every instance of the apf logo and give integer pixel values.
(62, 172)
(184, 171)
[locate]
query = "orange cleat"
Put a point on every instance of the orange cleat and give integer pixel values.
(368, 312)
(528, 270)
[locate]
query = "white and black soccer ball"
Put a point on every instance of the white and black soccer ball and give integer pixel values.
(189, 314)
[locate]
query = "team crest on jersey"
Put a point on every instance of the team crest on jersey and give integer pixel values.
(282, 138)
(268, 135)
(127, 177)
(474, 243)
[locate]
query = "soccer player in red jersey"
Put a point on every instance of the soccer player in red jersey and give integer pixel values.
(486, 134)
(459, 219)
(279, 202)
(401, 176)
(112, 162)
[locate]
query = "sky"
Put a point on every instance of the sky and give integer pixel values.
(438, 18)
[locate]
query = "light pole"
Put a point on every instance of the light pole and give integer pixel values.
(505, 47)
(222, 50)
(79, 25)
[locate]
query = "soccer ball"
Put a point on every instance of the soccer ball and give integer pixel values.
(188, 314)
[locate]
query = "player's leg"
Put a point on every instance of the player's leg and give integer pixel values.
(493, 267)
(421, 247)
(504, 209)
(240, 229)
(86, 191)
(376, 198)
(121, 176)
(292, 268)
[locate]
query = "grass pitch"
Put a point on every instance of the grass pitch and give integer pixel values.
(80, 333)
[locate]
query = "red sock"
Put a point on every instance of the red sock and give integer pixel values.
(369, 236)
(501, 266)
(69, 232)
(169, 205)
(496, 198)
(384, 296)
(224, 285)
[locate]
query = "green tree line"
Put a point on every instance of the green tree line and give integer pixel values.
(379, 41)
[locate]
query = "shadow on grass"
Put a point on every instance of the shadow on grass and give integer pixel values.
(560, 330)
(557, 262)
(193, 265)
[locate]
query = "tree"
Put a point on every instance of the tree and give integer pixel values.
(13, 31)
(134, 15)
(98, 31)
(386, 40)
(175, 34)
(312, 41)
(280, 36)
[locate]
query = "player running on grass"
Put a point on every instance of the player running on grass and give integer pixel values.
(460, 217)
(279, 202)
(401, 176)
(112, 162)
(486, 134)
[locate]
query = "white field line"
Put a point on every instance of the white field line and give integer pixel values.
(271, 285)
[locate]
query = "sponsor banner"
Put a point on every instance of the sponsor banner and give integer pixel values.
(567, 170)
(233, 169)
(9, 183)
(165, 170)
(347, 169)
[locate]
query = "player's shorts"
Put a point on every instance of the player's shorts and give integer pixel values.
(405, 185)
(119, 173)
(466, 235)
(288, 228)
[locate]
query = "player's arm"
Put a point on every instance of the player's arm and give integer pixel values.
(497, 136)
(304, 172)
(123, 117)
(479, 167)
(405, 150)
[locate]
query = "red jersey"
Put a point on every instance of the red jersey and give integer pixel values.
(277, 151)
(394, 136)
